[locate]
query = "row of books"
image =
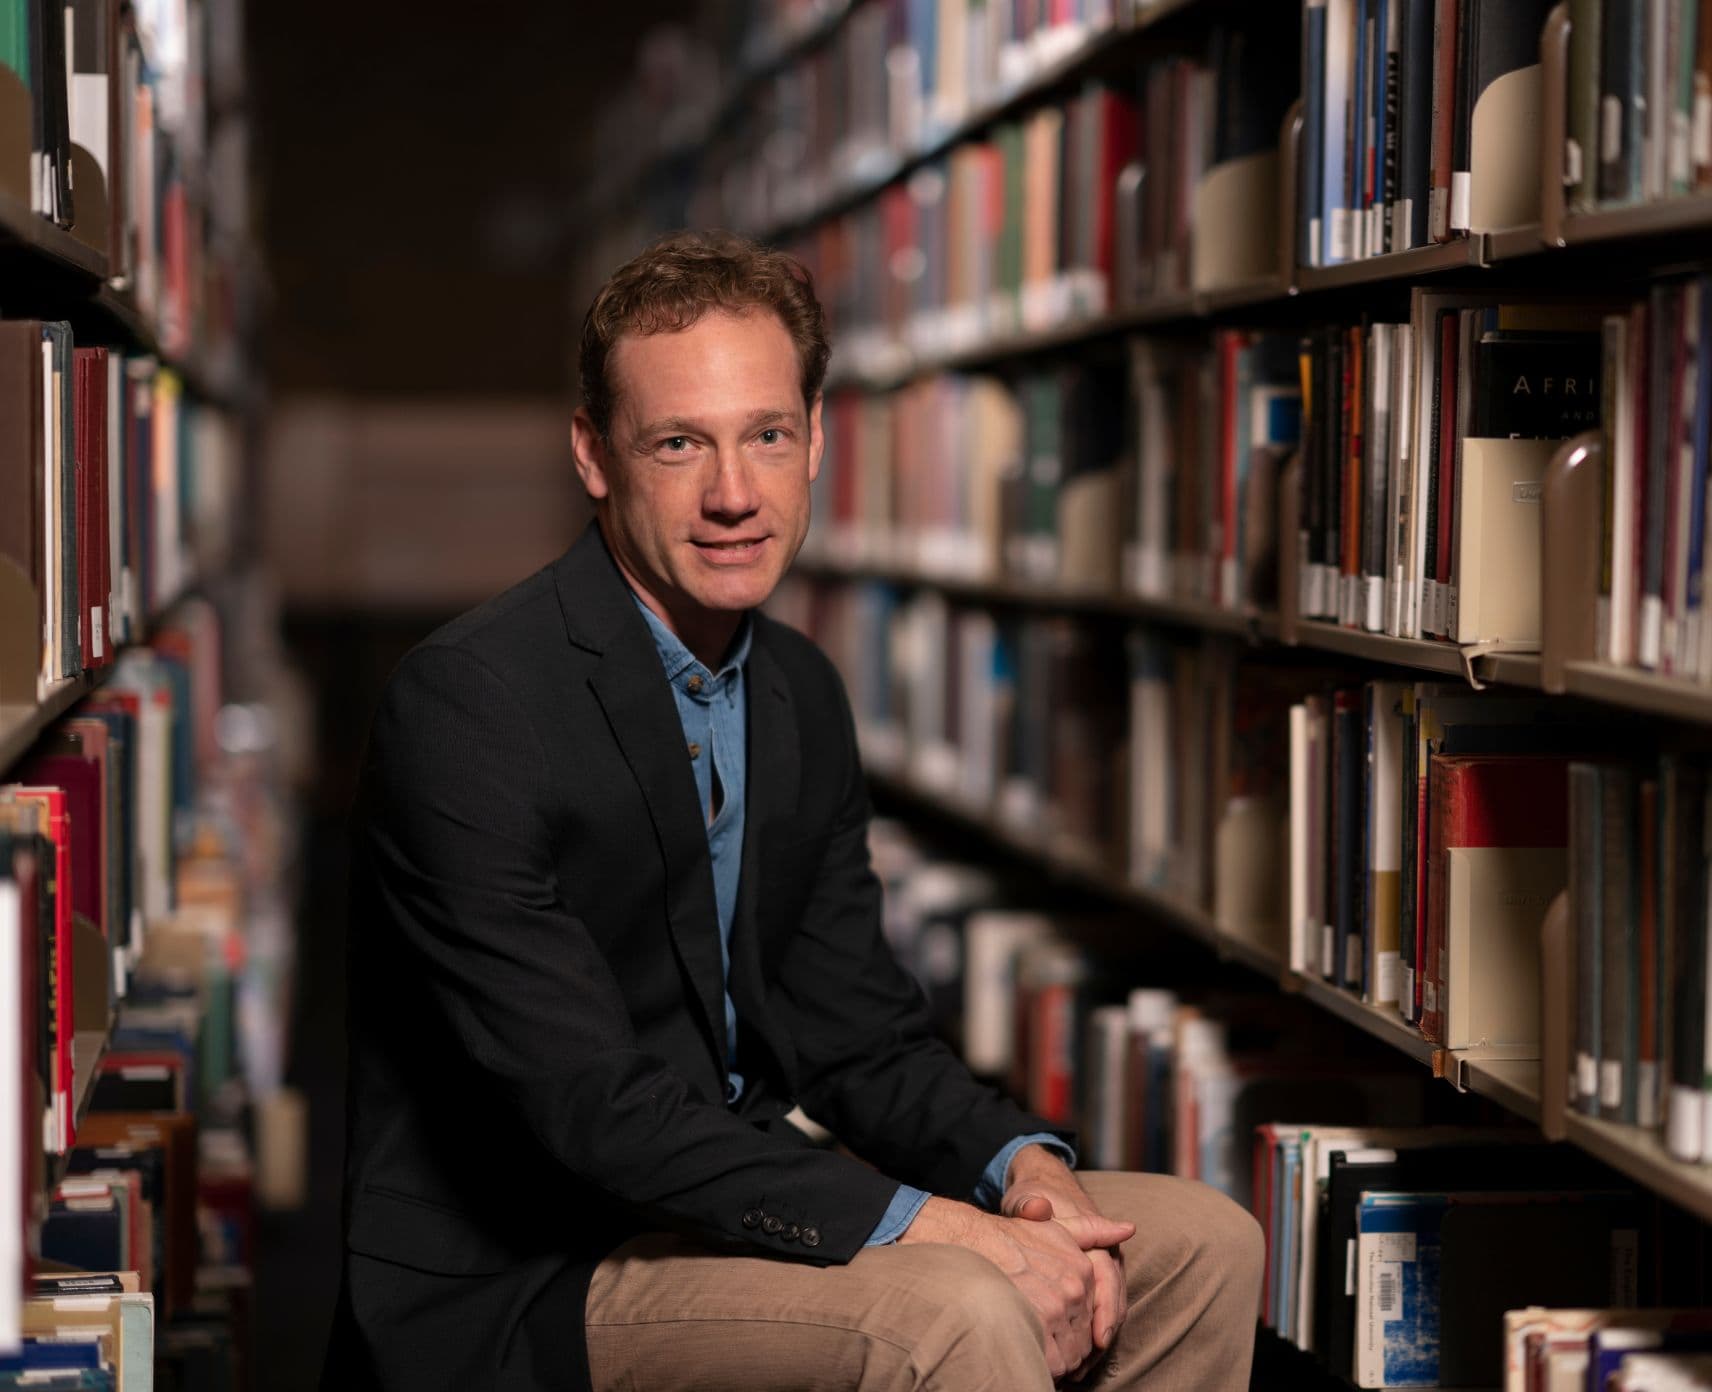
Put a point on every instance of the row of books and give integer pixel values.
(1402, 841)
(117, 93)
(1398, 1238)
(1639, 102)
(898, 76)
(133, 868)
(115, 487)
(86, 1331)
(1430, 831)
(1419, 120)
(1012, 717)
(1421, 117)
(1617, 1350)
(1423, 449)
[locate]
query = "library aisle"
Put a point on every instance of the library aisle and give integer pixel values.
(1262, 532)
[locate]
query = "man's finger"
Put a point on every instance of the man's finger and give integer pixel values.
(1091, 1230)
(1109, 1298)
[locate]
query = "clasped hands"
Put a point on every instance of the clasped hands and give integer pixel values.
(1058, 1250)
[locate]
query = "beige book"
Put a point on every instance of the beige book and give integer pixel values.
(1249, 857)
(1237, 222)
(1090, 518)
(1495, 898)
(1504, 152)
(1498, 540)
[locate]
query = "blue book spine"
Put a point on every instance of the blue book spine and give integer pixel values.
(1310, 236)
(1397, 1325)
(1284, 1292)
(1335, 136)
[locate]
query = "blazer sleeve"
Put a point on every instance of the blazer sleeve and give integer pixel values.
(452, 824)
(871, 1068)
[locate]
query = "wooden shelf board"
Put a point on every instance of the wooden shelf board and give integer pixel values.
(1183, 613)
(1514, 1084)
(1512, 243)
(1397, 266)
(1421, 654)
(1690, 214)
(20, 226)
(21, 726)
(1382, 1022)
(1642, 1156)
(1639, 690)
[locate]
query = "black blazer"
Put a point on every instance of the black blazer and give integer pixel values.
(536, 1029)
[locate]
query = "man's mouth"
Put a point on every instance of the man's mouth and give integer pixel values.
(736, 549)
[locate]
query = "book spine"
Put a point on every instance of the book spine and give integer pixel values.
(1585, 896)
(1462, 121)
(1647, 959)
(1616, 798)
(1445, 23)
(1310, 209)
(1445, 812)
(1687, 800)
(1620, 95)
(1408, 887)
(1375, 526)
(1653, 446)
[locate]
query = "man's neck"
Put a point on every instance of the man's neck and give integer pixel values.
(707, 633)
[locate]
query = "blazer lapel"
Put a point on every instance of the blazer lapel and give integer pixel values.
(775, 768)
(601, 615)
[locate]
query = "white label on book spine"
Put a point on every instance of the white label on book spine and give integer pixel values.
(1352, 960)
(1328, 950)
(97, 632)
(1385, 974)
(1652, 622)
(1681, 161)
(1610, 129)
(1429, 606)
(1647, 1093)
(1572, 161)
(1461, 195)
(1373, 603)
(1447, 610)
(1438, 214)
(1341, 235)
(1702, 137)
(1228, 581)
(1349, 1269)
(1406, 996)
(1316, 250)
(1685, 1125)
(1610, 1082)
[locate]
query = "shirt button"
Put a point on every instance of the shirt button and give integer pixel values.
(694, 683)
(695, 750)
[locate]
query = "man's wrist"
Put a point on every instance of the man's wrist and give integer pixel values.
(1036, 1161)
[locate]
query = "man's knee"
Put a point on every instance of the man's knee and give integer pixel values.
(984, 1332)
(1182, 1224)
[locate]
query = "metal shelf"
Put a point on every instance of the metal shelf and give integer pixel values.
(1421, 654)
(1382, 1022)
(1397, 266)
(1642, 1156)
(1656, 219)
(1635, 689)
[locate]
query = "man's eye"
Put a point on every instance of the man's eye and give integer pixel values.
(770, 436)
(675, 444)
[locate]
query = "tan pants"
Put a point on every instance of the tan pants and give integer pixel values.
(664, 1314)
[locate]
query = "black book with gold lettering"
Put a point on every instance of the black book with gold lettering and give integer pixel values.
(1535, 386)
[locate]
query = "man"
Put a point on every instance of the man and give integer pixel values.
(613, 920)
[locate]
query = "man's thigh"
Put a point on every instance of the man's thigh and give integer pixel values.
(665, 1314)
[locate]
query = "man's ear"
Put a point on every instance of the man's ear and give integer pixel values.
(591, 454)
(816, 437)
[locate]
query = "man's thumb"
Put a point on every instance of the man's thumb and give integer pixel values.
(1037, 1208)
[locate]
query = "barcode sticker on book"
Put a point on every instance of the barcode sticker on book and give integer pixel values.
(1388, 1290)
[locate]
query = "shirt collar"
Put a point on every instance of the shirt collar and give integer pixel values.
(678, 660)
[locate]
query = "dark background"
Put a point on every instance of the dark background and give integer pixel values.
(415, 171)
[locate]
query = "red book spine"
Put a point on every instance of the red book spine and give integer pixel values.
(1230, 346)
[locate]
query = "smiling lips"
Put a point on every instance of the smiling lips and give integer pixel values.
(731, 552)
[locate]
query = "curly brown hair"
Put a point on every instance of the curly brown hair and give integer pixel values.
(681, 278)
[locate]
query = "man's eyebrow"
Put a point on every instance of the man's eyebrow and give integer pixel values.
(683, 425)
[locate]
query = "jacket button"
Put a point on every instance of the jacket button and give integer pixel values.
(811, 1237)
(792, 1232)
(752, 1219)
(771, 1225)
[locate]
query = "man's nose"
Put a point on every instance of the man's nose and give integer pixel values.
(731, 491)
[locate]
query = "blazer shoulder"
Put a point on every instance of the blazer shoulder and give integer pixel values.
(507, 634)
(808, 669)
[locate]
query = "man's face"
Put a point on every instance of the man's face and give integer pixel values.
(705, 481)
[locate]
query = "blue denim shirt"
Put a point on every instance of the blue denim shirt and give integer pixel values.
(713, 708)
